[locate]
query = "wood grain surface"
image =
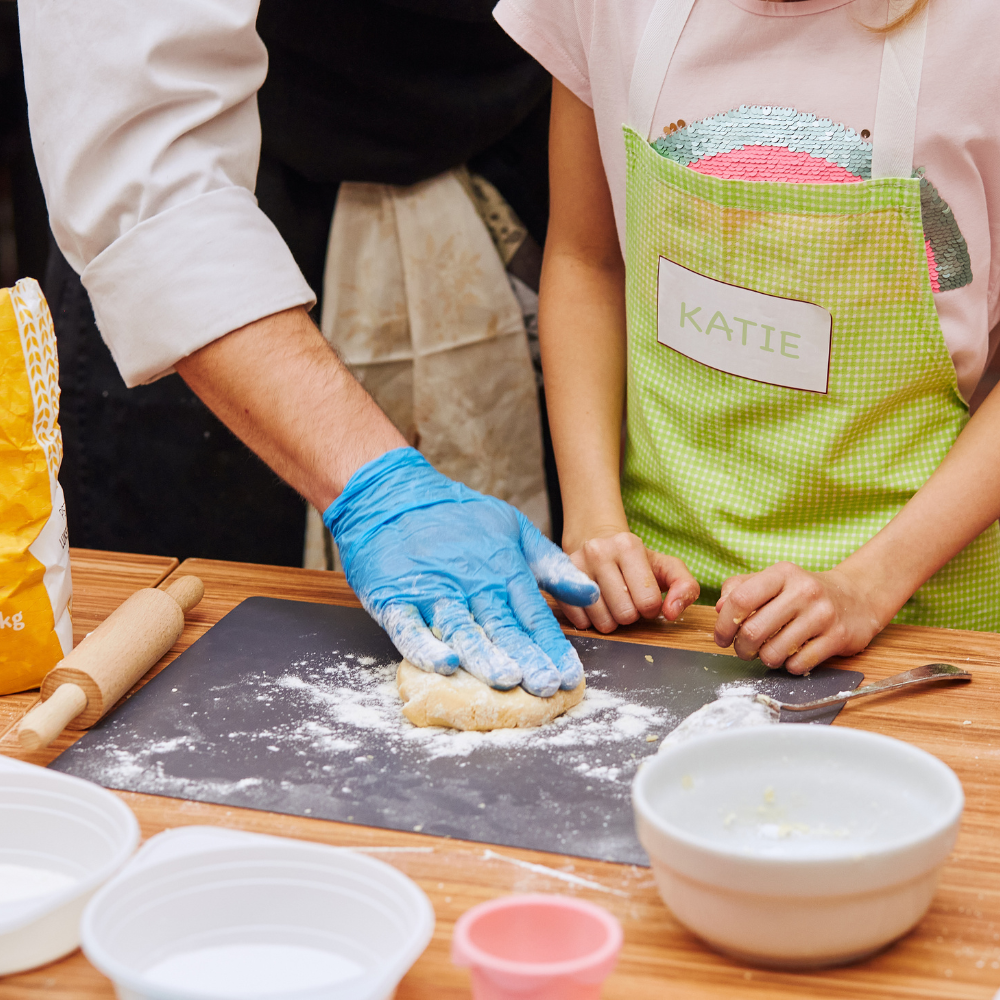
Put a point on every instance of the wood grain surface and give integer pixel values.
(954, 953)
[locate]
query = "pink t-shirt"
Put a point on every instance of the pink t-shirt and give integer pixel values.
(802, 62)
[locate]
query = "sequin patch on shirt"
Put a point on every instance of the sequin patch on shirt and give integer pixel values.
(780, 144)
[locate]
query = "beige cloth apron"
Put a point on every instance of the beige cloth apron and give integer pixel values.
(417, 302)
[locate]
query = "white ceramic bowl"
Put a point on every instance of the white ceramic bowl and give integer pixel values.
(797, 846)
(206, 914)
(60, 839)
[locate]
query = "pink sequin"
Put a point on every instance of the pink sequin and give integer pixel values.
(932, 268)
(773, 163)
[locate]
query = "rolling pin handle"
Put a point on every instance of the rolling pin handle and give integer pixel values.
(48, 719)
(187, 591)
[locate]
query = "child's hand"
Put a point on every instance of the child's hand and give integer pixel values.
(632, 579)
(798, 618)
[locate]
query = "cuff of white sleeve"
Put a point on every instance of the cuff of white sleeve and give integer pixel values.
(188, 276)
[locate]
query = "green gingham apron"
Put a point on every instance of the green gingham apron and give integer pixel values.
(733, 475)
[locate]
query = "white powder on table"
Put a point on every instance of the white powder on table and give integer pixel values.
(344, 705)
(602, 719)
(735, 708)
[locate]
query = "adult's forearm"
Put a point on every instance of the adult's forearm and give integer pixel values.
(281, 389)
(959, 501)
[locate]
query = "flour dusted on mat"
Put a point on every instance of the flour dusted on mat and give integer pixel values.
(35, 588)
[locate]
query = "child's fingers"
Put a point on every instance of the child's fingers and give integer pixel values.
(746, 598)
(621, 567)
(794, 618)
(675, 579)
(777, 650)
(632, 579)
(616, 606)
(775, 616)
(596, 616)
(802, 596)
(728, 586)
(577, 616)
(813, 653)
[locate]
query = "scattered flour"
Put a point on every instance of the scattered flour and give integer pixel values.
(324, 735)
(553, 873)
(602, 718)
(343, 701)
(735, 707)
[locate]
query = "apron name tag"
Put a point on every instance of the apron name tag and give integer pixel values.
(735, 330)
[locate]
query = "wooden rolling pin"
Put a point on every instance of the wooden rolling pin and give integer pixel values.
(87, 683)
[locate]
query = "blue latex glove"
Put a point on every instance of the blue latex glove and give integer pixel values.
(453, 575)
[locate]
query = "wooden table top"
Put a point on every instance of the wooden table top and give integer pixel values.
(954, 953)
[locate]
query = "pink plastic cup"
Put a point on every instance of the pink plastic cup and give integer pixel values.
(537, 948)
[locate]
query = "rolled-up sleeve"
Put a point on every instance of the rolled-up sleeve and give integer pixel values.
(144, 124)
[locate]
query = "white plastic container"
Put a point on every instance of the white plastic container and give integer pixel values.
(797, 846)
(206, 914)
(61, 838)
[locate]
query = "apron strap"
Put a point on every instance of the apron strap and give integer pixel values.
(656, 49)
(895, 129)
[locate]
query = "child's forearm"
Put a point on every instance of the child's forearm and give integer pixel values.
(959, 501)
(582, 325)
(788, 616)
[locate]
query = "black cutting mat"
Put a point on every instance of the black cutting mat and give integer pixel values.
(291, 707)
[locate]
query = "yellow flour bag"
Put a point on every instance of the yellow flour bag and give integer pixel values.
(35, 588)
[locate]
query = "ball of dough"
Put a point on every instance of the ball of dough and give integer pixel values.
(461, 701)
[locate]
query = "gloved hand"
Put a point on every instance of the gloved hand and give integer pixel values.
(453, 575)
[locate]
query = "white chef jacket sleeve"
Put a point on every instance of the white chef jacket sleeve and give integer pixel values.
(144, 124)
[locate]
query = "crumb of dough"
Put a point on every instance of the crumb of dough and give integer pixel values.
(461, 701)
